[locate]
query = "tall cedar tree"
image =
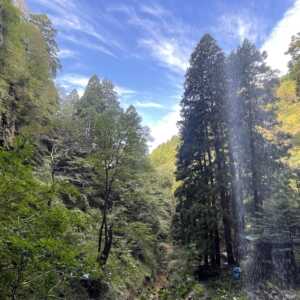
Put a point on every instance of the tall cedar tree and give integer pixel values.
(202, 166)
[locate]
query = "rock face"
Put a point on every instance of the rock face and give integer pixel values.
(1, 27)
(7, 130)
(89, 289)
(273, 261)
(8, 122)
(270, 292)
(21, 5)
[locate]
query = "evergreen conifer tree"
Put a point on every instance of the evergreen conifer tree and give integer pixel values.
(202, 164)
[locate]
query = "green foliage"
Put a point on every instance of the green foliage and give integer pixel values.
(48, 33)
(226, 288)
(288, 116)
(101, 150)
(281, 216)
(294, 64)
(163, 158)
(120, 143)
(40, 245)
(181, 273)
(28, 97)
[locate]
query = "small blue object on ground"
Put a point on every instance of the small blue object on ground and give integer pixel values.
(236, 273)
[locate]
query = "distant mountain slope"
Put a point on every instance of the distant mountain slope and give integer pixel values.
(163, 158)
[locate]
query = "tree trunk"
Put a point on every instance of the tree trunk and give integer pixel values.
(212, 253)
(217, 248)
(227, 230)
(101, 232)
(107, 246)
(103, 254)
(224, 199)
(215, 239)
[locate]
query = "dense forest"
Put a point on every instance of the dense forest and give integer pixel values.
(87, 212)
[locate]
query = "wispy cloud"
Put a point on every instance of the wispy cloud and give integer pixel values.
(73, 81)
(124, 92)
(69, 17)
(278, 41)
(167, 52)
(57, 6)
(161, 34)
(235, 27)
(67, 53)
(149, 104)
(86, 44)
(79, 82)
(154, 9)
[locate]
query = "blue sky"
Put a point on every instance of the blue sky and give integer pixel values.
(144, 46)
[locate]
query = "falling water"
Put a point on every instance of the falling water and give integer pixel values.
(257, 256)
(235, 145)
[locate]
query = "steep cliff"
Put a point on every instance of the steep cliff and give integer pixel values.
(22, 6)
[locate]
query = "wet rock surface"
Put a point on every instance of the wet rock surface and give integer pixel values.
(271, 292)
(1, 26)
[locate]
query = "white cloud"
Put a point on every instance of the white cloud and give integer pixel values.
(238, 27)
(76, 23)
(86, 44)
(168, 44)
(121, 8)
(68, 16)
(154, 10)
(73, 81)
(66, 53)
(124, 92)
(278, 41)
(161, 34)
(54, 5)
(71, 23)
(165, 128)
(149, 104)
(80, 91)
(167, 52)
